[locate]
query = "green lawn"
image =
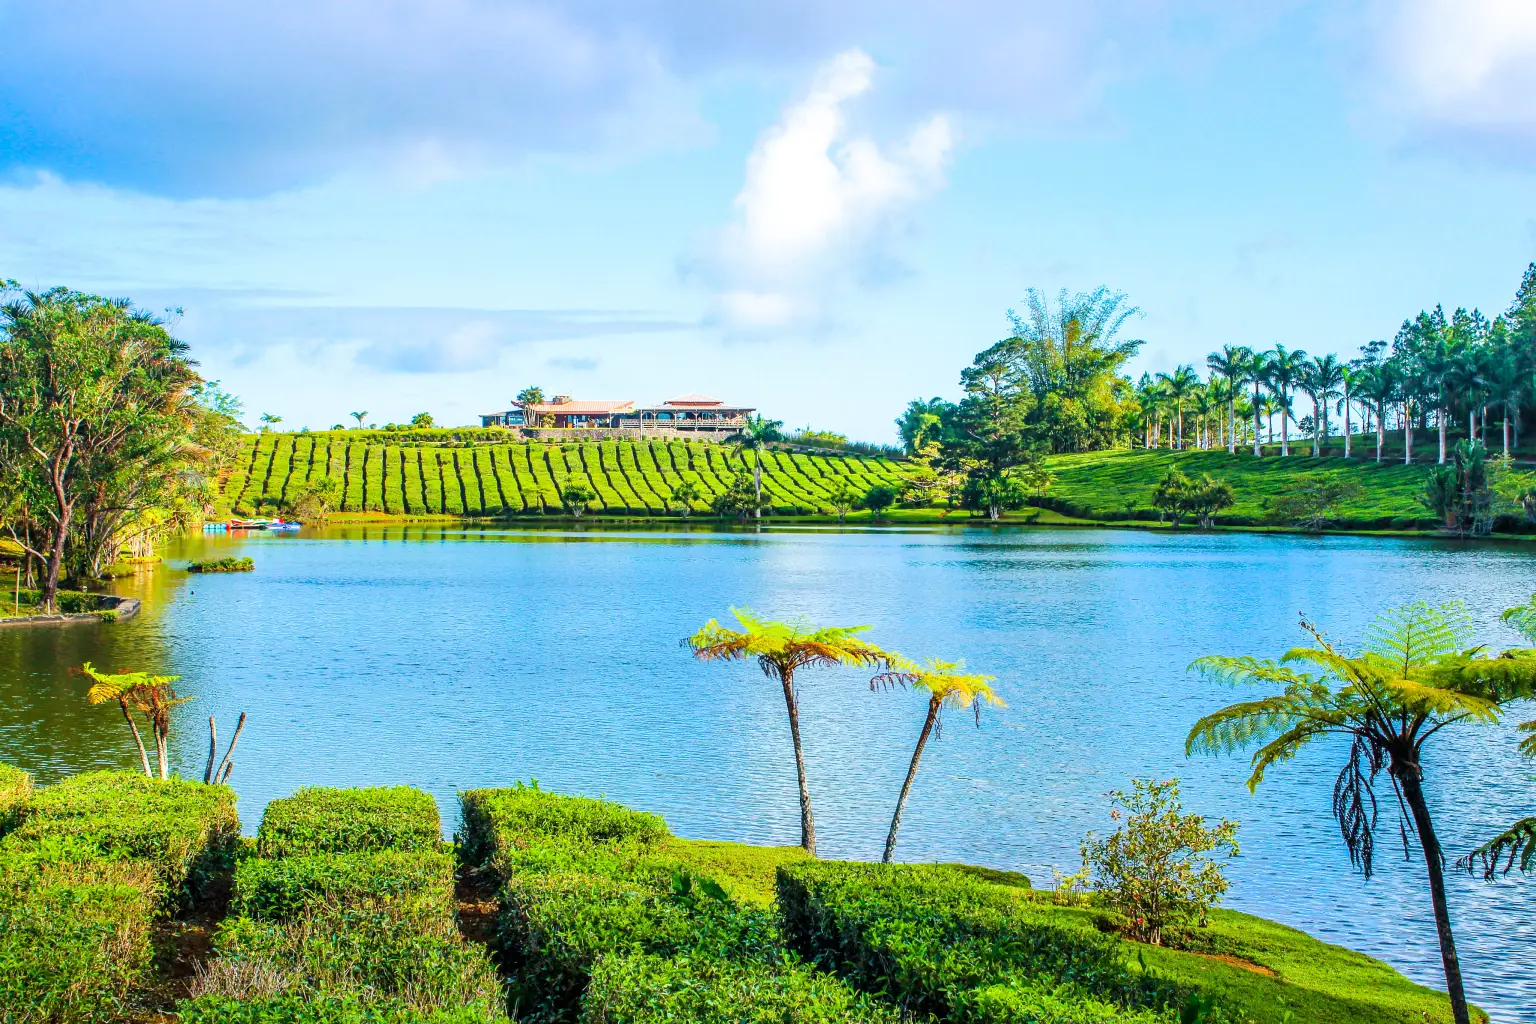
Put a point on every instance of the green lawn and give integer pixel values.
(1119, 485)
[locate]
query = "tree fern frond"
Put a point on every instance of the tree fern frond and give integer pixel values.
(1518, 841)
(1254, 721)
(1283, 748)
(1423, 699)
(1419, 634)
(1528, 745)
(1244, 669)
(1523, 618)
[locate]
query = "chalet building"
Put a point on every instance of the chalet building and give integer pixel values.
(691, 413)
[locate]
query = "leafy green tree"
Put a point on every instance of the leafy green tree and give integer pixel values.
(526, 400)
(576, 498)
(1459, 493)
(739, 499)
(315, 499)
(1416, 673)
(1323, 380)
(423, 421)
(95, 397)
(1205, 497)
(1236, 365)
(922, 422)
(947, 687)
(782, 650)
(877, 499)
(1312, 501)
(1156, 868)
(994, 494)
(1378, 382)
(756, 434)
(843, 498)
(683, 496)
(1170, 495)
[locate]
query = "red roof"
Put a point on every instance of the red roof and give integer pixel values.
(693, 400)
(581, 408)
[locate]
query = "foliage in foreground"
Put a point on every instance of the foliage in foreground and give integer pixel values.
(230, 564)
(321, 820)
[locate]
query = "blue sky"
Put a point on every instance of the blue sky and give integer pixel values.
(820, 209)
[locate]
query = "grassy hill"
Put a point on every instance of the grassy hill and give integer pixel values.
(1113, 485)
(381, 473)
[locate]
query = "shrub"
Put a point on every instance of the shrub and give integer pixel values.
(74, 938)
(924, 936)
(553, 928)
(223, 565)
(15, 791)
(318, 820)
(651, 990)
(498, 824)
(187, 830)
(370, 953)
(1155, 867)
(336, 1010)
(291, 887)
(1037, 1002)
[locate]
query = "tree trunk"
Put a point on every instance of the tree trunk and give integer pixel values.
(1506, 430)
(757, 483)
(1440, 418)
(162, 741)
(137, 739)
(807, 823)
(906, 787)
(1256, 421)
(1285, 424)
(1232, 424)
(1381, 430)
(1346, 426)
(1407, 437)
(1434, 862)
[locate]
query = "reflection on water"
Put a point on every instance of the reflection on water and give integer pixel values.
(452, 657)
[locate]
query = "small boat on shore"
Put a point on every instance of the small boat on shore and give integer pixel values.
(277, 525)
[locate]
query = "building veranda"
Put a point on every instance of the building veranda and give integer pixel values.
(690, 414)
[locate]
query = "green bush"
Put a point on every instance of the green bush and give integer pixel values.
(553, 928)
(187, 830)
(1042, 1002)
(301, 1010)
(290, 887)
(368, 952)
(74, 938)
(15, 792)
(498, 824)
(925, 935)
(702, 990)
(317, 820)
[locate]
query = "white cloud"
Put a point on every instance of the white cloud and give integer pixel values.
(817, 201)
(1463, 71)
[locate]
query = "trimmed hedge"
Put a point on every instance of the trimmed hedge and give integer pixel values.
(524, 823)
(302, 1010)
(290, 887)
(15, 792)
(187, 830)
(369, 953)
(702, 990)
(941, 942)
(74, 938)
(320, 820)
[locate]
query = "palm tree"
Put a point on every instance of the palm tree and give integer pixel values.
(1178, 386)
(359, 416)
(1202, 400)
(527, 398)
(1378, 383)
(268, 421)
(755, 434)
(1348, 384)
(781, 650)
(1282, 369)
(1508, 384)
(152, 696)
(1415, 674)
(947, 687)
(1234, 363)
(1322, 379)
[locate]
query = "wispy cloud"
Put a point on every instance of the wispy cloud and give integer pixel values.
(817, 201)
(1460, 74)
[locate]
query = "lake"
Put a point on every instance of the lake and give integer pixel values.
(452, 657)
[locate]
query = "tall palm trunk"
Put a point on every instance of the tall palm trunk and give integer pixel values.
(1441, 415)
(1257, 420)
(1285, 422)
(1347, 426)
(1232, 422)
(1410, 776)
(1381, 429)
(1407, 436)
(1506, 429)
(906, 787)
(807, 823)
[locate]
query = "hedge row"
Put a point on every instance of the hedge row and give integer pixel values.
(85, 866)
(602, 920)
(940, 942)
(387, 473)
(346, 916)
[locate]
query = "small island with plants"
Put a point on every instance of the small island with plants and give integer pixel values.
(227, 564)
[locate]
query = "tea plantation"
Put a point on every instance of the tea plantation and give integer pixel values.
(379, 473)
(344, 910)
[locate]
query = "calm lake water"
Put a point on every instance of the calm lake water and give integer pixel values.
(452, 658)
